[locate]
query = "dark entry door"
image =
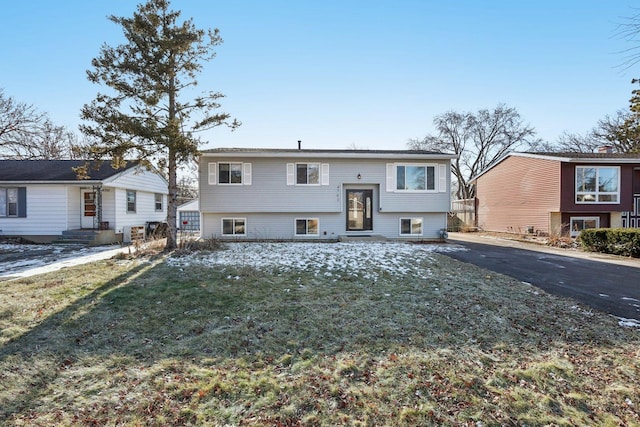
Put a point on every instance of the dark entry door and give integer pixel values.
(359, 210)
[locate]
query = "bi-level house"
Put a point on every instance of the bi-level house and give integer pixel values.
(559, 193)
(280, 194)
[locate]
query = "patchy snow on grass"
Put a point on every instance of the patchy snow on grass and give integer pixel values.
(369, 260)
(21, 260)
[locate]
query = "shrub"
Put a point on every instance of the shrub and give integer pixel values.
(616, 241)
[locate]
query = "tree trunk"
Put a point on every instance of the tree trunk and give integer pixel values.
(172, 204)
(172, 208)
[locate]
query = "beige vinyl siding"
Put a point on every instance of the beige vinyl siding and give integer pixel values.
(518, 193)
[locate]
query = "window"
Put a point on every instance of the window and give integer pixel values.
(411, 226)
(308, 173)
(232, 173)
(597, 184)
(307, 227)
(13, 202)
(8, 202)
(131, 201)
(578, 224)
(415, 178)
(158, 202)
(234, 227)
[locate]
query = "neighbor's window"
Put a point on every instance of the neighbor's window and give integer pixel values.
(411, 226)
(131, 201)
(8, 202)
(158, 202)
(234, 227)
(230, 173)
(308, 173)
(307, 227)
(597, 184)
(415, 177)
(578, 224)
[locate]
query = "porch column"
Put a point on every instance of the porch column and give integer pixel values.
(615, 219)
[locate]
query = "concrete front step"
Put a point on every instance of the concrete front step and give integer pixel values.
(83, 237)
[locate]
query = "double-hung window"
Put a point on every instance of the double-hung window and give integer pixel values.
(131, 201)
(307, 227)
(234, 227)
(597, 184)
(158, 202)
(8, 202)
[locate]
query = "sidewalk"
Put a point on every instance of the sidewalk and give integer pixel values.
(515, 242)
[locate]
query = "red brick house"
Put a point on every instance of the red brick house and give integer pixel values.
(549, 193)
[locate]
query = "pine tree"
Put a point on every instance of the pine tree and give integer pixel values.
(144, 116)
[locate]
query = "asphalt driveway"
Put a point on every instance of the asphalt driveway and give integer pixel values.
(607, 283)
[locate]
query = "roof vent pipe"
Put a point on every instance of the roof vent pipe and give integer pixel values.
(299, 145)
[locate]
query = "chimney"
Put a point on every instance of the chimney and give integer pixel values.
(299, 145)
(605, 149)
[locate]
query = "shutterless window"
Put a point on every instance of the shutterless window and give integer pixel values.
(578, 224)
(411, 226)
(234, 227)
(131, 201)
(230, 173)
(308, 173)
(415, 177)
(158, 202)
(307, 227)
(597, 184)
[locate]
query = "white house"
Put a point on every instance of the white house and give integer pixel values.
(254, 194)
(42, 200)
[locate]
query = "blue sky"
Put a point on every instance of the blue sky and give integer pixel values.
(340, 73)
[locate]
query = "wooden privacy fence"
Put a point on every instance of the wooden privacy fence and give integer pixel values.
(463, 215)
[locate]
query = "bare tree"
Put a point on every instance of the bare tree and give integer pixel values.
(619, 131)
(18, 122)
(187, 182)
(26, 133)
(44, 141)
(478, 139)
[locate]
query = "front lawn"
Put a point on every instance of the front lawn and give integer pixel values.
(307, 334)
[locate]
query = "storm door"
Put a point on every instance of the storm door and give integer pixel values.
(359, 210)
(88, 209)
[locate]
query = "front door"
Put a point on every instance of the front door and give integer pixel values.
(88, 209)
(359, 210)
